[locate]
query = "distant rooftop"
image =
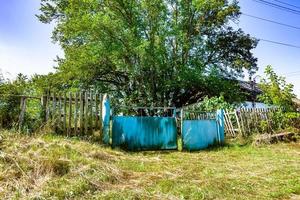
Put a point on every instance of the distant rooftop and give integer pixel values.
(247, 85)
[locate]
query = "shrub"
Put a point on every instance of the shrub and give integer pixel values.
(283, 120)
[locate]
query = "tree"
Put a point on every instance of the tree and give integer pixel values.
(10, 100)
(159, 52)
(276, 91)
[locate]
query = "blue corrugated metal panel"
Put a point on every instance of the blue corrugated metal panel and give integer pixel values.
(199, 134)
(144, 133)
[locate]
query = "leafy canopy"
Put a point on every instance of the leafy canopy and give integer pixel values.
(158, 52)
(276, 91)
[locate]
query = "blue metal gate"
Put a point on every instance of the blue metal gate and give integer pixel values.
(159, 132)
(144, 132)
(201, 130)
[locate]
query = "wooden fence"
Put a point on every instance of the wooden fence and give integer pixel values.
(72, 114)
(245, 121)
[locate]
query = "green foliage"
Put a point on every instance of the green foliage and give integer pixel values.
(263, 127)
(213, 104)
(166, 53)
(279, 121)
(10, 105)
(284, 120)
(11, 92)
(292, 119)
(276, 91)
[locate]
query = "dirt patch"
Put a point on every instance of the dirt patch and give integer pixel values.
(99, 155)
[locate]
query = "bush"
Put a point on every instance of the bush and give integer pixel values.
(284, 120)
(213, 104)
(10, 101)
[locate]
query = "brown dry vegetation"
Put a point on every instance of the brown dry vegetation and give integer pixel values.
(53, 167)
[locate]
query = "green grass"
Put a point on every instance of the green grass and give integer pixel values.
(53, 167)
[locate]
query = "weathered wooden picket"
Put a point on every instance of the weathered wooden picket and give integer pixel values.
(72, 114)
(245, 121)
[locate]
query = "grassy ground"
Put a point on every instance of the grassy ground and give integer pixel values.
(52, 167)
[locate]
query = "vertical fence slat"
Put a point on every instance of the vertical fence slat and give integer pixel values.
(81, 110)
(22, 113)
(70, 115)
(59, 111)
(65, 114)
(44, 107)
(76, 114)
(91, 115)
(101, 115)
(47, 107)
(53, 107)
(238, 122)
(96, 111)
(86, 109)
(242, 124)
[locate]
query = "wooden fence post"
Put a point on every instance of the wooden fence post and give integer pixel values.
(59, 111)
(86, 111)
(70, 115)
(44, 108)
(65, 114)
(76, 114)
(91, 115)
(96, 111)
(22, 113)
(54, 107)
(81, 110)
(47, 107)
(238, 122)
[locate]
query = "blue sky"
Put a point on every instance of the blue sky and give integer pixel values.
(284, 59)
(26, 45)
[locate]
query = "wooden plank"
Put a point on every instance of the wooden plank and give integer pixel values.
(81, 110)
(22, 113)
(59, 110)
(47, 107)
(44, 107)
(96, 111)
(91, 115)
(101, 114)
(70, 115)
(54, 107)
(242, 124)
(86, 110)
(238, 122)
(245, 121)
(76, 115)
(65, 114)
(25, 96)
(227, 125)
(230, 125)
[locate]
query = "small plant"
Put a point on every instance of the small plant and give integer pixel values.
(264, 127)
